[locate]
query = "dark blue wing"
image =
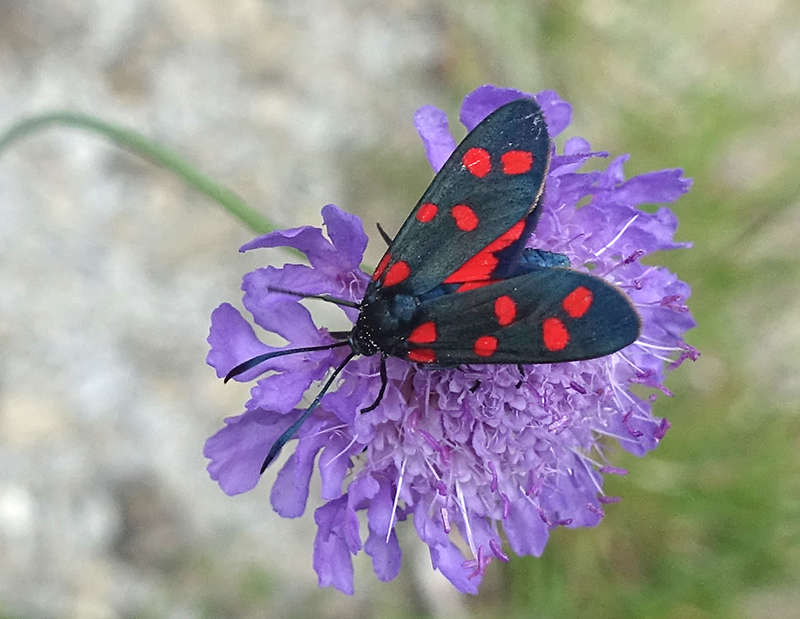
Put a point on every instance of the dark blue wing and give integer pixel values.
(544, 316)
(478, 209)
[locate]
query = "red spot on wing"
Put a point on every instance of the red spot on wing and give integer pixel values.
(381, 267)
(397, 273)
(423, 334)
(482, 265)
(505, 309)
(467, 286)
(426, 212)
(477, 161)
(578, 302)
(555, 334)
(485, 346)
(465, 217)
(422, 355)
(517, 161)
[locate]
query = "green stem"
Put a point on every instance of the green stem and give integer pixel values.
(145, 147)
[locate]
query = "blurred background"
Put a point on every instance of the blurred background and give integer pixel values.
(110, 267)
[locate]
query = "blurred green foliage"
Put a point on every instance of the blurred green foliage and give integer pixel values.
(709, 522)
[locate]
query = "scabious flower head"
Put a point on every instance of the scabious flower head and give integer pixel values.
(475, 453)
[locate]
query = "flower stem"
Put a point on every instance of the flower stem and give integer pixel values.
(140, 145)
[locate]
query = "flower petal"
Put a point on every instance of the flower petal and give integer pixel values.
(306, 239)
(347, 235)
(232, 340)
(483, 101)
(281, 313)
(433, 127)
(332, 562)
(386, 555)
(445, 557)
(557, 112)
(238, 449)
(526, 532)
(337, 538)
(282, 392)
(290, 491)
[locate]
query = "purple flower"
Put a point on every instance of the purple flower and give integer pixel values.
(471, 452)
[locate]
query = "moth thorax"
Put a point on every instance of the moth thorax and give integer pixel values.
(383, 323)
(362, 339)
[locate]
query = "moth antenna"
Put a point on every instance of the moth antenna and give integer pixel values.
(322, 297)
(384, 380)
(284, 438)
(251, 363)
(385, 236)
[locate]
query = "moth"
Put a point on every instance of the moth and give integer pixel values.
(457, 285)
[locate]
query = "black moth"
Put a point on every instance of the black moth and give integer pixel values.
(457, 285)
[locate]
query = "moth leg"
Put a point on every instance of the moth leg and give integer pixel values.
(521, 375)
(384, 380)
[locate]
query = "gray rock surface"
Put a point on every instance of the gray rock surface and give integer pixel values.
(110, 267)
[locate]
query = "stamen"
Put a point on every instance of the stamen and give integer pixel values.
(662, 429)
(463, 508)
(498, 552)
(616, 238)
(577, 387)
(493, 471)
(396, 499)
(506, 505)
(594, 509)
(344, 451)
(445, 520)
(559, 425)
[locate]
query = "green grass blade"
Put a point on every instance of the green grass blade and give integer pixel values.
(140, 145)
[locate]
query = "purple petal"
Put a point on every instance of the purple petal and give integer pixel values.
(307, 239)
(557, 112)
(445, 557)
(238, 449)
(361, 491)
(347, 235)
(484, 100)
(282, 392)
(386, 555)
(565, 501)
(576, 146)
(232, 340)
(335, 461)
(526, 532)
(432, 126)
(290, 492)
(654, 188)
(561, 165)
(281, 313)
(379, 513)
(355, 390)
(332, 560)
